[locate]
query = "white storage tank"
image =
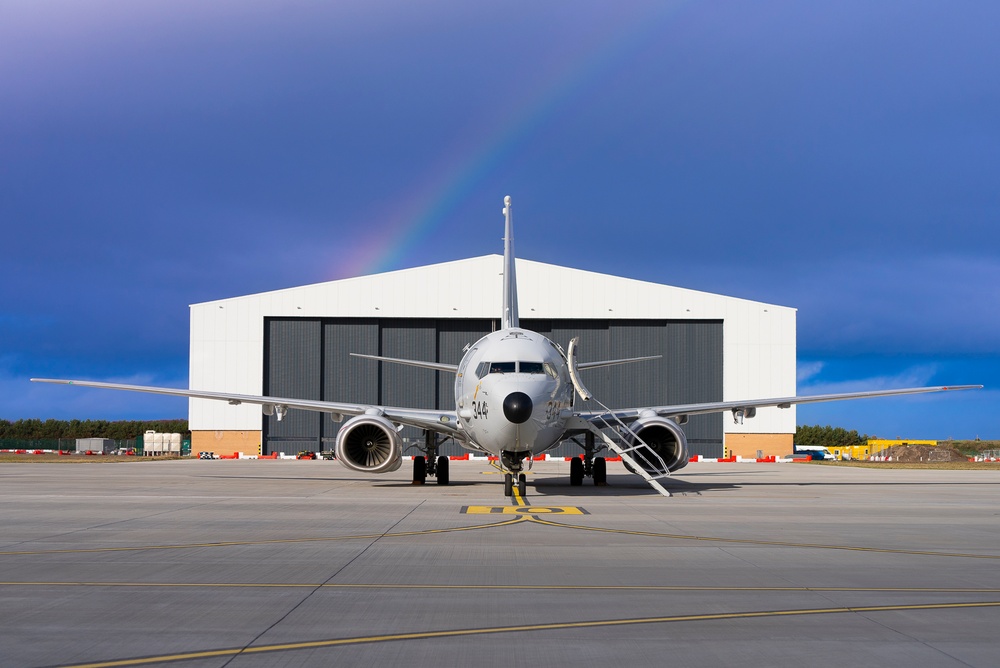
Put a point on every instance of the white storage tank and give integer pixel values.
(154, 443)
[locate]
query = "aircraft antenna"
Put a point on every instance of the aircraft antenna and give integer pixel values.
(509, 317)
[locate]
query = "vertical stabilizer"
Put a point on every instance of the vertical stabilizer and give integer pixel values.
(509, 317)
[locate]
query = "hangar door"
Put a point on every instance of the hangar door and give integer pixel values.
(309, 358)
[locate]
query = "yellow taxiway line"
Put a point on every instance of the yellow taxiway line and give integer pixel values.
(527, 628)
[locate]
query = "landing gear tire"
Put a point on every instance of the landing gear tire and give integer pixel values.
(576, 472)
(600, 471)
(508, 484)
(522, 485)
(442, 470)
(419, 470)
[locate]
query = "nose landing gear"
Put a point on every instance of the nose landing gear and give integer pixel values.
(514, 462)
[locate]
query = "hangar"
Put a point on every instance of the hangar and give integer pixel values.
(297, 342)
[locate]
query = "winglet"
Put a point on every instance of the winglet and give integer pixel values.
(509, 317)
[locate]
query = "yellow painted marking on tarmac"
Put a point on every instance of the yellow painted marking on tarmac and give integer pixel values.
(277, 541)
(517, 496)
(524, 510)
(477, 587)
(754, 541)
(527, 628)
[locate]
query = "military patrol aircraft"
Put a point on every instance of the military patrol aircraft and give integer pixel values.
(514, 399)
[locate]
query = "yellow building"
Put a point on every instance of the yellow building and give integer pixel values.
(877, 445)
(883, 443)
(851, 451)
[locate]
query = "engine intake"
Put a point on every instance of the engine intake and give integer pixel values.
(665, 438)
(369, 444)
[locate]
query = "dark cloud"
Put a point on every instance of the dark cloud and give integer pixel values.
(838, 158)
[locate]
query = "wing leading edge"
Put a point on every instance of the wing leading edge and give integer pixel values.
(445, 422)
(747, 408)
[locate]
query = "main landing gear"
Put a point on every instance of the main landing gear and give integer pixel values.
(588, 466)
(431, 464)
(508, 484)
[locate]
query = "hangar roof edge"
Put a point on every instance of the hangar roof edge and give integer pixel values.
(527, 265)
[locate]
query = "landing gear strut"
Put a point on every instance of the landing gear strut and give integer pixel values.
(508, 484)
(431, 464)
(590, 466)
(514, 462)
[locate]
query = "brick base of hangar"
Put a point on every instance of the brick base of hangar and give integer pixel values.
(759, 445)
(225, 442)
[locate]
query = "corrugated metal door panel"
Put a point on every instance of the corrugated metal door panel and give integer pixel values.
(638, 383)
(695, 375)
(345, 378)
(294, 363)
(413, 387)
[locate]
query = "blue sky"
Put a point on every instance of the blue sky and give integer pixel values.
(842, 158)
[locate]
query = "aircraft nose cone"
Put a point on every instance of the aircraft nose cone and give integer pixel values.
(517, 407)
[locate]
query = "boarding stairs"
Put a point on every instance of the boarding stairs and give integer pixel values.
(635, 455)
(639, 457)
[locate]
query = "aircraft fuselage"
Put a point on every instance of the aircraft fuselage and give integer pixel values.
(513, 393)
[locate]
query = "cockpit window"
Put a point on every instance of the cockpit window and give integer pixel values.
(503, 367)
(486, 368)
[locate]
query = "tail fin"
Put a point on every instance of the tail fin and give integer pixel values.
(509, 318)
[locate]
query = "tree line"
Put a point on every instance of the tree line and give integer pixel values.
(828, 436)
(35, 429)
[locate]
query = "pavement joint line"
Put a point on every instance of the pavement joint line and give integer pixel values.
(538, 587)
(525, 628)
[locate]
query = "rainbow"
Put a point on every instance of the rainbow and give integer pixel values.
(420, 210)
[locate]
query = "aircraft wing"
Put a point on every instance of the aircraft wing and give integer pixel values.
(596, 365)
(437, 366)
(748, 408)
(445, 422)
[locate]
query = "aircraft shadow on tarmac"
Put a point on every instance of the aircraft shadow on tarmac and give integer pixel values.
(557, 485)
(622, 485)
(375, 483)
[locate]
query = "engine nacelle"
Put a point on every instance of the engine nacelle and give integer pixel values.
(369, 444)
(666, 439)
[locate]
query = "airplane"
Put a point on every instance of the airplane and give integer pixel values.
(514, 399)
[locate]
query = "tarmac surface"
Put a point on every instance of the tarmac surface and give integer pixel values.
(301, 563)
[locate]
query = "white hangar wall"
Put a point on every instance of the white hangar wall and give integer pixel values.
(227, 336)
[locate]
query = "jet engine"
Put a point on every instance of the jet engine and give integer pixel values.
(369, 444)
(665, 438)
